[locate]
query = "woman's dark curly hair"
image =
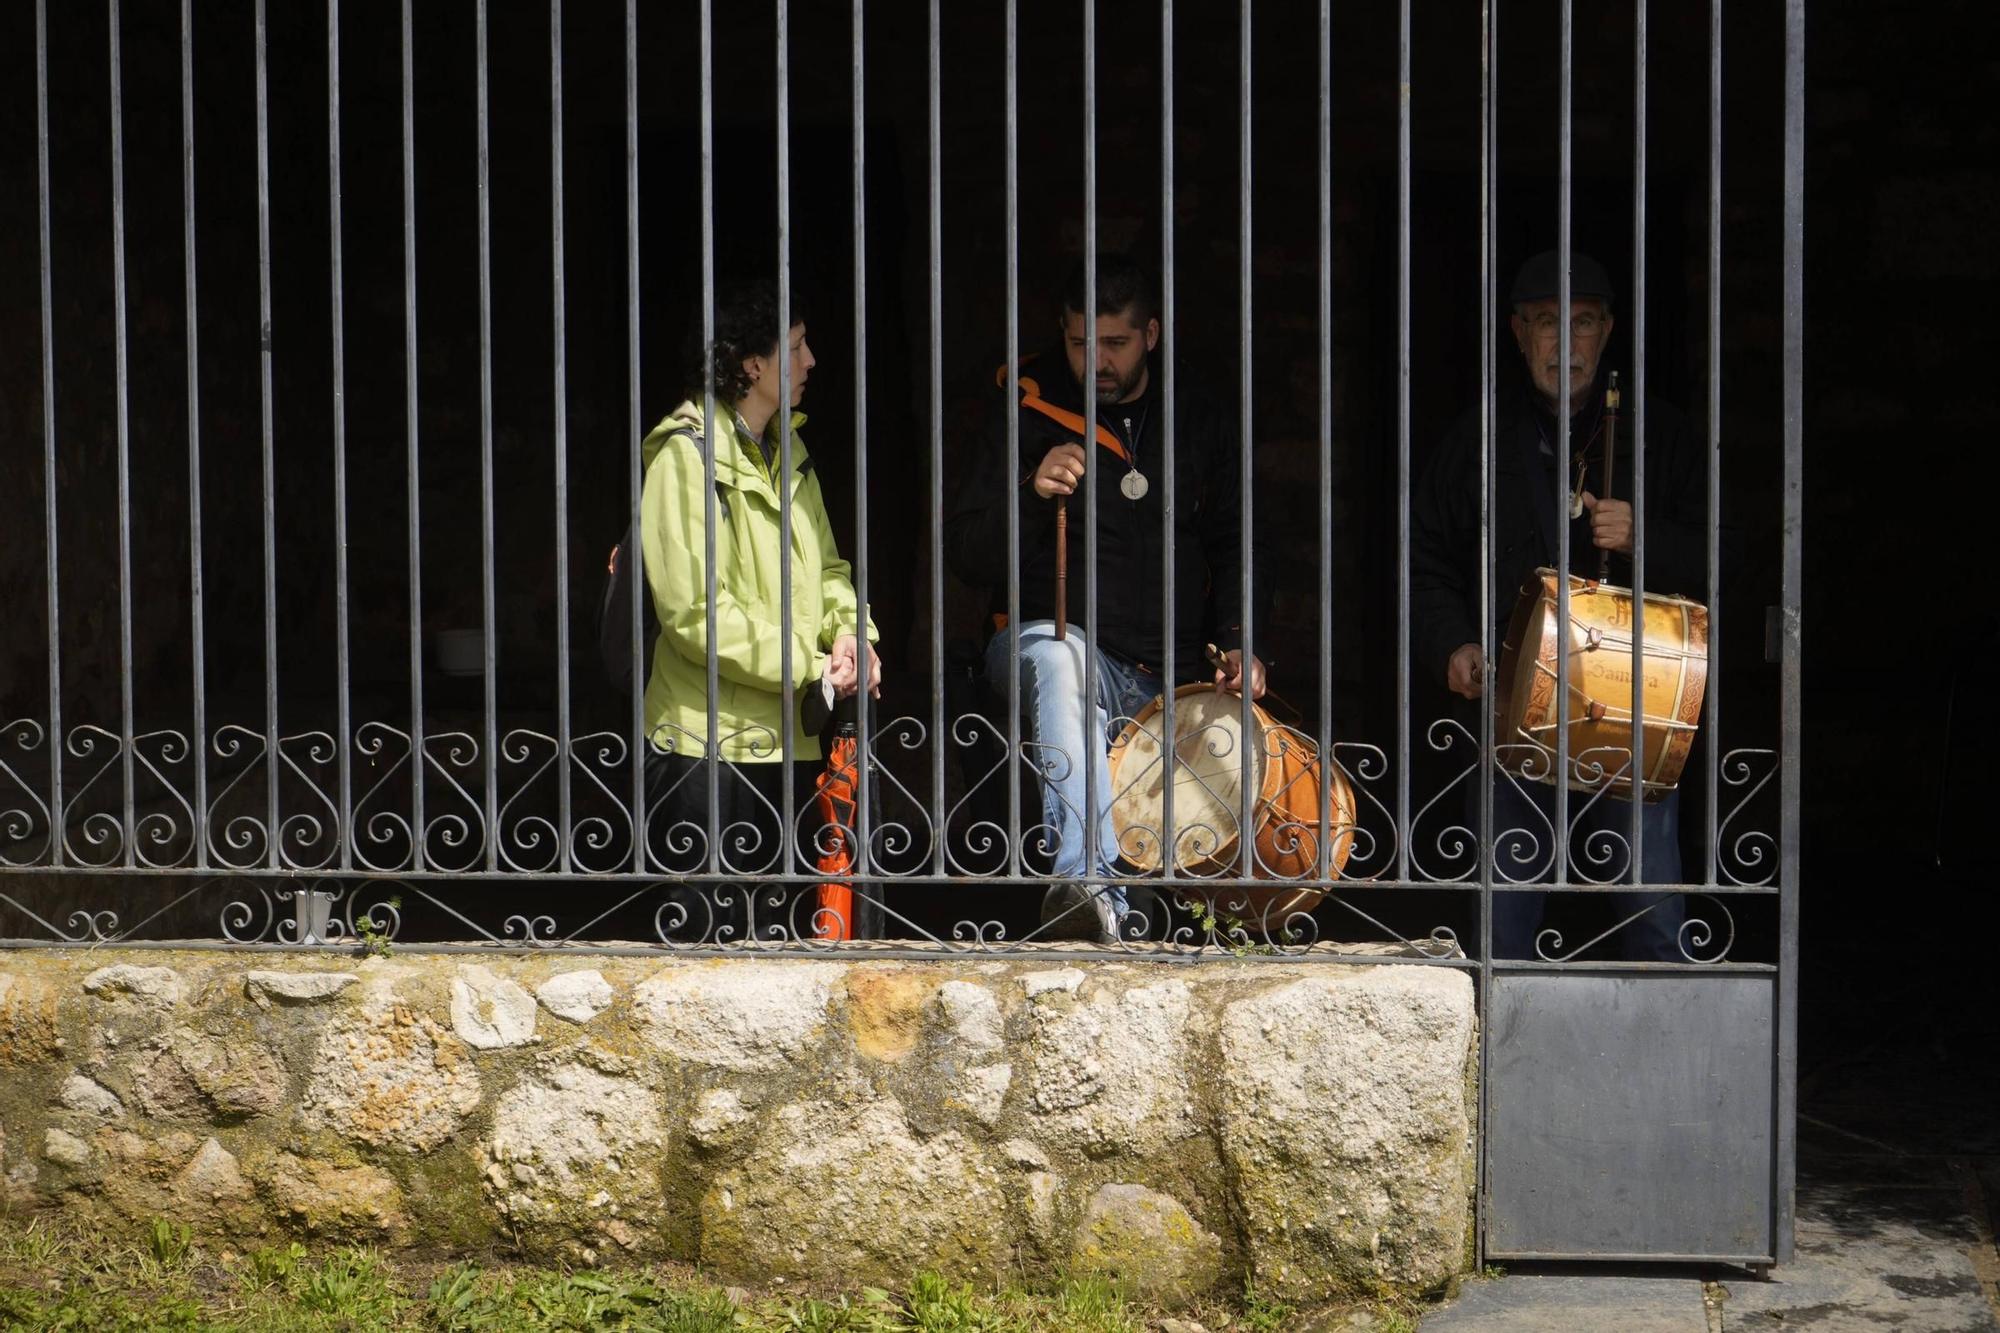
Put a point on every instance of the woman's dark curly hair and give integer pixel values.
(746, 322)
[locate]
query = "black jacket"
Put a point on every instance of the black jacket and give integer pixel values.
(1207, 526)
(1445, 508)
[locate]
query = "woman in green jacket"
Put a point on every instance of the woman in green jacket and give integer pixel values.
(750, 627)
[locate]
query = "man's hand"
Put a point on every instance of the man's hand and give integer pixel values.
(1229, 676)
(1466, 672)
(1061, 471)
(844, 668)
(1610, 524)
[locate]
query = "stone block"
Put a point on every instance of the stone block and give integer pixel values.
(1346, 1122)
(490, 1012)
(736, 1014)
(1148, 1243)
(575, 997)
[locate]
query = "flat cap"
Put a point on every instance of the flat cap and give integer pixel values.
(1539, 279)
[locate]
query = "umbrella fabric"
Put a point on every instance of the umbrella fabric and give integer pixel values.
(833, 917)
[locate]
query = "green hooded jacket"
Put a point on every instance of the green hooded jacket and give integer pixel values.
(748, 605)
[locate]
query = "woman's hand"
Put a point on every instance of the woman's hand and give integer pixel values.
(844, 668)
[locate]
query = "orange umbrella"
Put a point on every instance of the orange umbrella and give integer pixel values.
(836, 799)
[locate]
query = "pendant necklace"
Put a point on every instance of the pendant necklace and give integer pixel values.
(1133, 485)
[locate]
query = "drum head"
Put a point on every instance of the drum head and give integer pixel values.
(1208, 782)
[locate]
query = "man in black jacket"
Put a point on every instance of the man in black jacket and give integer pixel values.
(1530, 451)
(1065, 738)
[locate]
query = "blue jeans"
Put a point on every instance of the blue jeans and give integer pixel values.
(1522, 817)
(1063, 745)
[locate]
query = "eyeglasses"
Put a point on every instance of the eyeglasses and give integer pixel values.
(1582, 327)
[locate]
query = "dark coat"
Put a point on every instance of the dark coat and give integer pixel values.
(1447, 501)
(1207, 529)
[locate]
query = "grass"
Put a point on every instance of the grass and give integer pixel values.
(57, 1276)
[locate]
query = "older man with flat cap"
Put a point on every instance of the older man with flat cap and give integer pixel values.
(1535, 462)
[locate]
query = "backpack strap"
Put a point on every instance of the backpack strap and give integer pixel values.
(694, 437)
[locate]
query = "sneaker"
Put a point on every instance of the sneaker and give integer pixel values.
(1073, 911)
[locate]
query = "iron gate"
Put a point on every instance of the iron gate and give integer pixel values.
(1630, 1110)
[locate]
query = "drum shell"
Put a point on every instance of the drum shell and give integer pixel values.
(1675, 677)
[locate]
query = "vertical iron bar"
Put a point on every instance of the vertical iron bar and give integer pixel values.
(198, 749)
(635, 554)
(1489, 325)
(1559, 851)
(1323, 860)
(937, 441)
(489, 621)
(49, 534)
(414, 516)
(559, 323)
(1712, 724)
(1014, 834)
(1637, 750)
(788, 721)
(1403, 440)
(122, 358)
(343, 684)
(1785, 1110)
(864, 649)
(1168, 667)
(713, 744)
(1246, 806)
(270, 479)
(1093, 735)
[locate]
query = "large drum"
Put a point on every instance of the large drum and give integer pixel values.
(1674, 675)
(1208, 798)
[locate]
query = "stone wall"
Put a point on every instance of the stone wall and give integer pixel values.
(1308, 1126)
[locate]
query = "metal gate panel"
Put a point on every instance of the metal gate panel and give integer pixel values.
(1630, 1115)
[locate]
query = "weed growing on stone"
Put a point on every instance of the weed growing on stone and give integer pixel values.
(168, 1243)
(350, 1284)
(373, 935)
(1262, 1313)
(271, 1267)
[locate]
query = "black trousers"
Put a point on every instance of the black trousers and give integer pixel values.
(749, 824)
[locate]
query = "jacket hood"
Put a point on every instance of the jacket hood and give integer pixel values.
(736, 462)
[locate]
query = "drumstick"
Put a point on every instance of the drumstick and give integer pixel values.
(1610, 464)
(1062, 568)
(1220, 662)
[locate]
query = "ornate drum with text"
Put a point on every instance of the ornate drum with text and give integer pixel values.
(1674, 674)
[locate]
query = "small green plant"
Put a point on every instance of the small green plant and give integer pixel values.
(1226, 928)
(168, 1243)
(348, 1284)
(455, 1299)
(696, 1310)
(376, 941)
(1091, 1302)
(1261, 1313)
(812, 1315)
(274, 1265)
(593, 1300)
(935, 1305)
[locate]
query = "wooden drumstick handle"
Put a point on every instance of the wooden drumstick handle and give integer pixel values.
(1611, 405)
(1062, 567)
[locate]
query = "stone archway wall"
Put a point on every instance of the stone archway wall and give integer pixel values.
(1307, 1125)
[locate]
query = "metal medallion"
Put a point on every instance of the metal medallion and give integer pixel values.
(1133, 485)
